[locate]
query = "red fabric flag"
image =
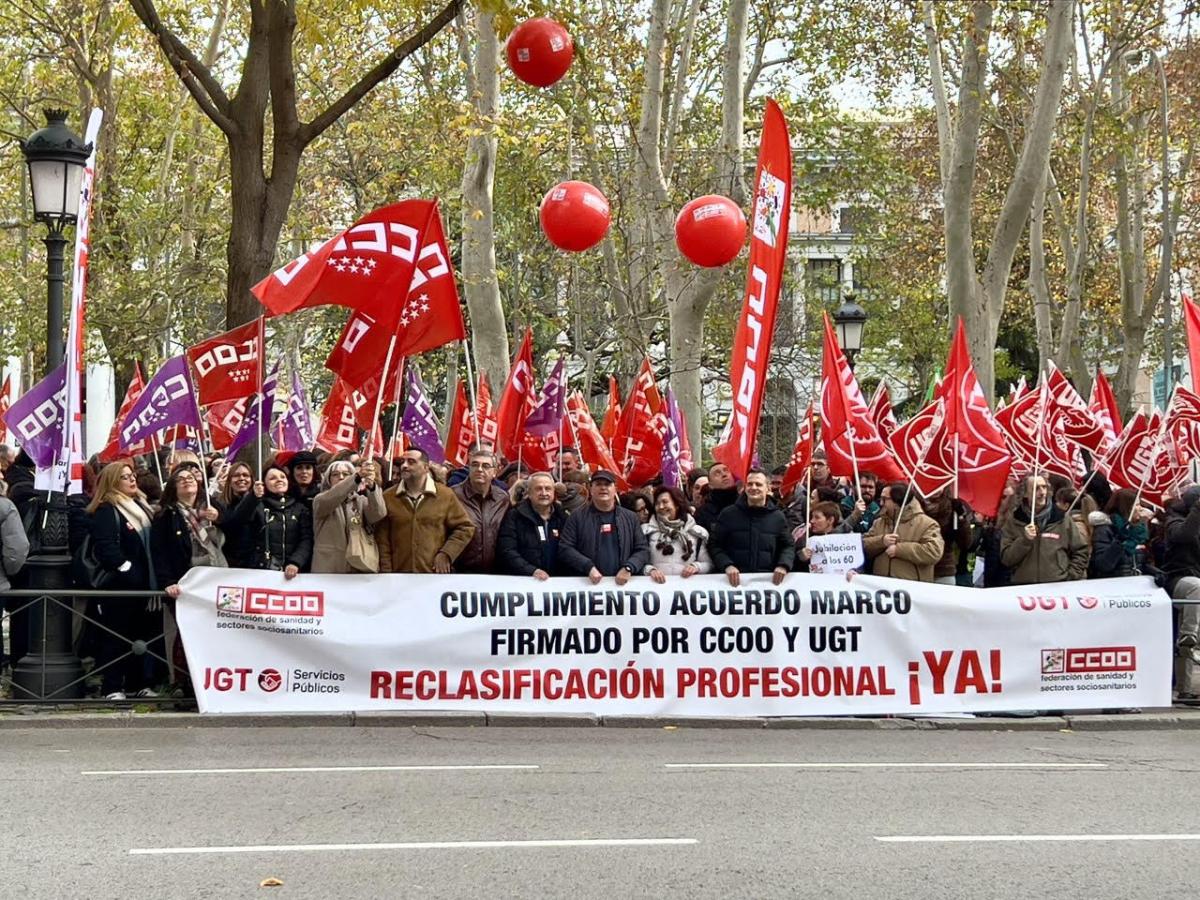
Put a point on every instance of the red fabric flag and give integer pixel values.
(489, 428)
(1052, 451)
(518, 400)
(461, 431)
(1070, 416)
(612, 415)
(225, 367)
(1191, 315)
(881, 411)
(339, 424)
(801, 455)
(592, 445)
(1142, 460)
(430, 317)
(5, 402)
(225, 420)
(638, 450)
(112, 450)
(367, 267)
(1103, 404)
(768, 253)
(847, 431)
(922, 448)
(1183, 424)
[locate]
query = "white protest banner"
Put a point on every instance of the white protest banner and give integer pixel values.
(815, 645)
(835, 554)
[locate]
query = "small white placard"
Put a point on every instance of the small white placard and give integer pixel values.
(835, 554)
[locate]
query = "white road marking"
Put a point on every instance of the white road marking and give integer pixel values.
(886, 765)
(416, 845)
(289, 770)
(1027, 838)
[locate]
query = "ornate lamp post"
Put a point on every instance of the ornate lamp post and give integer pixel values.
(850, 319)
(56, 157)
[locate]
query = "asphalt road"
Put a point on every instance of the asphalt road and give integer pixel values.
(597, 812)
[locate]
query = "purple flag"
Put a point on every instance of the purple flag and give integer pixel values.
(419, 422)
(295, 431)
(36, 418)
(547, 417)
(248, 433)
(166, 401)
(672, 446)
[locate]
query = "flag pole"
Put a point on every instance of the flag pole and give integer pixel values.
(154, 455)
(1037, 453)
(471, 388)
(262, 377)
(387, 365)
(854, 461)
(390, 452)
(812, 436)
(200, 440)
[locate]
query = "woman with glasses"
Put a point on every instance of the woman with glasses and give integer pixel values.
(678, 546)
(235, 517)
(344, 515)
(120, 531)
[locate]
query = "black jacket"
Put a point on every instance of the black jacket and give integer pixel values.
(718, 501)
(236, 522)
(170, 545)
(751, 538)
(581, 536)
(1182, 556)
(521, 548)
(115, 542)
(282, 530)
(20, 482)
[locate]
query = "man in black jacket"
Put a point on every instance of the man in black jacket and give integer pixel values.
(530, 532)
(752, 535)
(1182, 567)
(722, 493)
(603, 538)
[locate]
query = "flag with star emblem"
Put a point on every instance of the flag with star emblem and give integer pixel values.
(419, 422)
(430, 316)
(339, 425)
(225, 367)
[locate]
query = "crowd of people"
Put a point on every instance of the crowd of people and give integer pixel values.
(342, 513)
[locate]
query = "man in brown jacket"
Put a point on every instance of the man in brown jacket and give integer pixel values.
(485, 504)
(425, 528)
(908, 550)
(1038, 544)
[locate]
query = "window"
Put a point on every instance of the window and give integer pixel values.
(823, 281)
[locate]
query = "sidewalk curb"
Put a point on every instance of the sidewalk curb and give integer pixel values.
(1155, 720)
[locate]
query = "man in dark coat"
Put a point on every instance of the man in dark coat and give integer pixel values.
(752, 535)
(485, 505)
(722, 493)
(603, 538)
(530, 532)
(1181, 565)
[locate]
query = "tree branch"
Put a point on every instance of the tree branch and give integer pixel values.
(382, 70)
(938, 83)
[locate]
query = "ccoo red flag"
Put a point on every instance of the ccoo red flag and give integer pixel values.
(517, 401)
(339, 421)
(592, 445)
(226, 367)
(612, 414)
(461, 431)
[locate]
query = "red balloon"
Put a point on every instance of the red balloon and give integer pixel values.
(710, 231)
(540, 51)
(575, 216)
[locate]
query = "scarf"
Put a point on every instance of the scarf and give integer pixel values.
(134, 511)
(206, 540)
(675, 531)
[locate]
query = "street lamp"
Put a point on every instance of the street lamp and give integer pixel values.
(56, 157)
(850, 319)
(1137, 57)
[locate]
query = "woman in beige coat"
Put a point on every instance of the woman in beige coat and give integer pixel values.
(349, 500)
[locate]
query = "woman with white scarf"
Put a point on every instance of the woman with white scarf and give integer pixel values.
(120, 530)
(344, 512)
(678, 546)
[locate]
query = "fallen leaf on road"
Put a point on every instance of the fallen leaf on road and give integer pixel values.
(271, 882)
(670, 728)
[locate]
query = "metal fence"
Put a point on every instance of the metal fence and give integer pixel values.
(58, 672)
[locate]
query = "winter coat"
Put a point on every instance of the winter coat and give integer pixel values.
(1182, 556)
(1114, 545)
(995, 573)
(20, 476)
(673, 563)
(751, 538)
(527, 542)
(334, 514)
(282, 529)
(115, 541)
(856, 521)
(580, 543)
(486, 513)
(236, 522)
(918, 548)
(171, 545)
(956, 538)
(14, 545)
(409, 539)
(718, 500)
(1060, 552)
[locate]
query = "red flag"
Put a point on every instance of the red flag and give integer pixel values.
(1183, 424)
(517, 401)
(430, 317)
(1142, 461)
(847, 431)
(638, 449)
(6, 401)
(367, 267)
(1191, 315)
(983, 458)
(881, 411)
(768, 253)
(801, 455)
(592, 445)
(225, 367)
(225, 420)
(921, 447)
(1103, 405)
(112, 450)
(461, 430)
(339, 426)
(1069, 416)
(1052, 452)
(612, 415)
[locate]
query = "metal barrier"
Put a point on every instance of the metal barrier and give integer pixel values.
(52, 675)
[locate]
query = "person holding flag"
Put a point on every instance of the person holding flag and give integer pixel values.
(903, 542)
(1039, 545)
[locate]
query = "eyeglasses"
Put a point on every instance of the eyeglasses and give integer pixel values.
(478, 466)
(128, 476)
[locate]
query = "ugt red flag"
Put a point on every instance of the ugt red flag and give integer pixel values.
(644, 427)
(225, 367)
(801, 456)
(612, 415)
(592, 446)
(112, 450)
(881, 411)
(852, 443)
(768, 253)
(518, 400)
(1191, 315)
(1103, 404)
(1143, 461)
(921, 448)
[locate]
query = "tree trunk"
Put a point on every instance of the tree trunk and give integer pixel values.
(489, 335)
(1039, 287)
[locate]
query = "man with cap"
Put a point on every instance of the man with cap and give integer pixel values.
(303, 483)
(602, 538)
